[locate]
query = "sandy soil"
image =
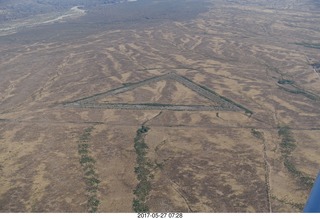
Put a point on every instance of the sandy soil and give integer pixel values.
(210, 161)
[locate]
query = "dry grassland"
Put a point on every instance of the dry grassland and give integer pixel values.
(195, 161)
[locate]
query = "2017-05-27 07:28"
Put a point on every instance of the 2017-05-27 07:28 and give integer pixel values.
(160, 215)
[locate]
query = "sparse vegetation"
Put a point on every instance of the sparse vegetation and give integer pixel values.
(285, 81)
(91, 178)
(297, 90)
(316, 65)
(299, 206)
(143, 129)
(212, 160)
(291, 87)
(294, 88)
(143, 172)
(309, 45)
(287, 146)
(257, 134)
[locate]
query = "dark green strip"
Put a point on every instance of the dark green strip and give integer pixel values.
(90, 176)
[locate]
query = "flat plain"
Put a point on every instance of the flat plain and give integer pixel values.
(260, 57)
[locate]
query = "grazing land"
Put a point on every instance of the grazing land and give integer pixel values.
(160, 106)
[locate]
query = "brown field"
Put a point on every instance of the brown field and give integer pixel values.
(55, 157)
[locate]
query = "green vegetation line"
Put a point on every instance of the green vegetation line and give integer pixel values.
(287, 146)
(299, 206)
(90, 176)
(143, 172)
(309, 45)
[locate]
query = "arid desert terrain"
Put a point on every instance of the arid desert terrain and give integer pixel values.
(159, 105)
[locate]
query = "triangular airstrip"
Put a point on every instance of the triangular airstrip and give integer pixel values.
(166, 92)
